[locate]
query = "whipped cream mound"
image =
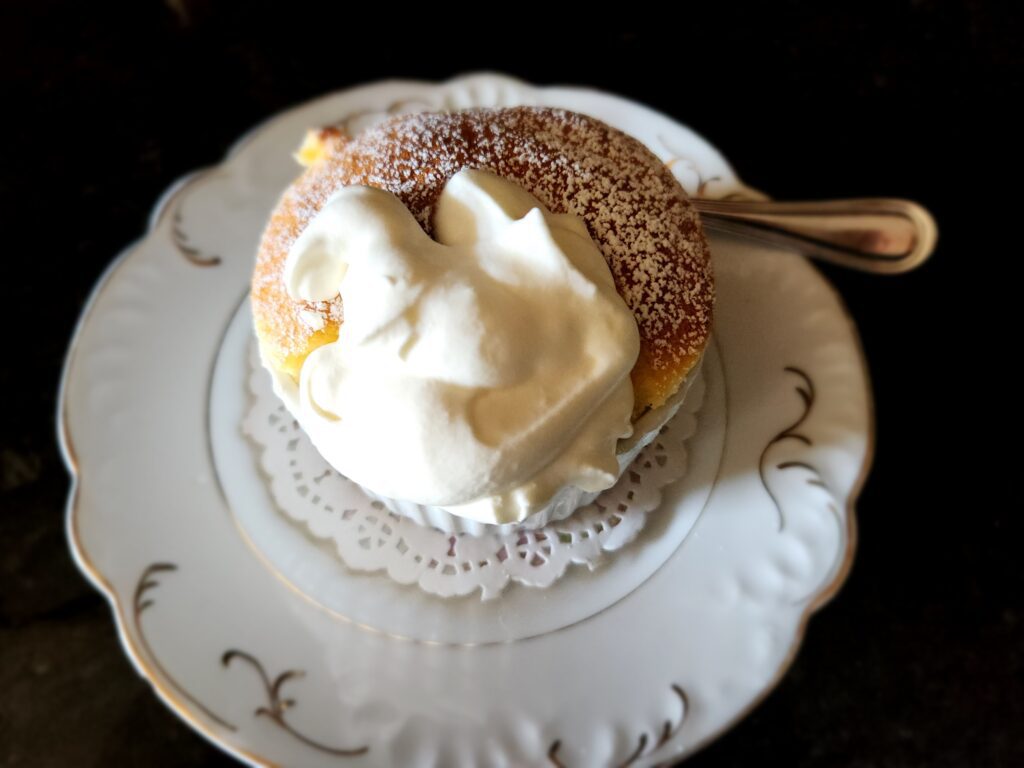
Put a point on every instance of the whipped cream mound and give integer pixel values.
(480, 371)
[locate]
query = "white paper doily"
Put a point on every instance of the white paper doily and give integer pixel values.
(368, 537)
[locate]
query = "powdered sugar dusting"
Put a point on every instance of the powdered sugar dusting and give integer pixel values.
(635, 209)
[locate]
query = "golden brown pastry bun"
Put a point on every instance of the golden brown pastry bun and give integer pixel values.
(635, 209)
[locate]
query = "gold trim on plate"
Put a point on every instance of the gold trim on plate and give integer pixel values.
(171, 696)
(140, 602)
(191, 252)
(668, 730)
(808, 395)
(277, 707)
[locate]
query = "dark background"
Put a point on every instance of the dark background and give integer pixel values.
(917, 662)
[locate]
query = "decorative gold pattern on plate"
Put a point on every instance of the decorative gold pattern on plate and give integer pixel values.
(277, 706)
(807, 394)
(182, 242)
(140, 602)
(668, 730)
(172, 697)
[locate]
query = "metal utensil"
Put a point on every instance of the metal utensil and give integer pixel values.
(881, 235)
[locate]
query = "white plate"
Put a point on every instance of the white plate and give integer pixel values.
(637, 663)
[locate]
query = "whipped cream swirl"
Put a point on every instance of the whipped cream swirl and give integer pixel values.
(480, 371)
